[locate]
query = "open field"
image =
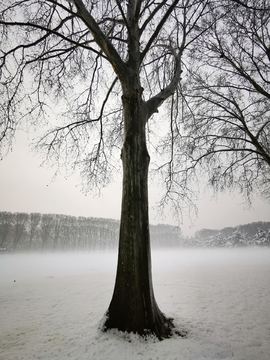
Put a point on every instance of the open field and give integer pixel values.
(53, 308)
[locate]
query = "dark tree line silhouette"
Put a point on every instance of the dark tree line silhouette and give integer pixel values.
(55, 232)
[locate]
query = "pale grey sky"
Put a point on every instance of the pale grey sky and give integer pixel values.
(25, 186)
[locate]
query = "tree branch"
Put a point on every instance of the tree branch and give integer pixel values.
(102, 41)
(151, 16)
(239, 2)
(158, 28)
(153, 103)
(48, 32)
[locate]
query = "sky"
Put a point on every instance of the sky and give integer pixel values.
(26, 186)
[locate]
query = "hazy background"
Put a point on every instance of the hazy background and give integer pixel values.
(25, 186)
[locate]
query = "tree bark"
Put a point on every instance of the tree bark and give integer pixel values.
(133, 307)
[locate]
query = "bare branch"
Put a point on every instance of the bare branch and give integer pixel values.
(158, 28)
(101, 39)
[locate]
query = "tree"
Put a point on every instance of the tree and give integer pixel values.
(68, 52)
(5, 228)
(46, 230)
(20, 221)
(82, 55)
(34, 221)
(226, 100)
(262, 237)
(238, 238)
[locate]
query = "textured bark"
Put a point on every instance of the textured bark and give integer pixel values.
(133, 307)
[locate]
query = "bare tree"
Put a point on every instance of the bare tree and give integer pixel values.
(5, 228)
(20, 224)
(82, 56)
(46, 231)
(226, 104)
(34, 221)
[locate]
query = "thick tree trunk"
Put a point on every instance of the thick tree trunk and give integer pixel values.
(133, 307)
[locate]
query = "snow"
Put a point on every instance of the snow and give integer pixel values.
(54, 307)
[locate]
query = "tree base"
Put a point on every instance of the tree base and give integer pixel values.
(161, 331)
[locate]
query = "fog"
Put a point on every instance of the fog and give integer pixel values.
(33, 266)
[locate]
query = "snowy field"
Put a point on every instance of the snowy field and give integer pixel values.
(54, 307)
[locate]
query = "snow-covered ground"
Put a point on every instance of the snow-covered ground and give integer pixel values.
(53, 308)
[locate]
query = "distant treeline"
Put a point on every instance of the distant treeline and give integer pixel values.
(54, 232)
(253, 234)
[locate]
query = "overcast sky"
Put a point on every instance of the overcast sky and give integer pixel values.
(25, 186)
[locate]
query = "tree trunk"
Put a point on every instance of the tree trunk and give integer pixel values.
(133, 307)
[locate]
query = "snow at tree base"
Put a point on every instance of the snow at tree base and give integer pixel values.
(52, 306)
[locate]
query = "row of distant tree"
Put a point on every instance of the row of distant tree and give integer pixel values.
(35, 232)
(54, 232)
(253, 234)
